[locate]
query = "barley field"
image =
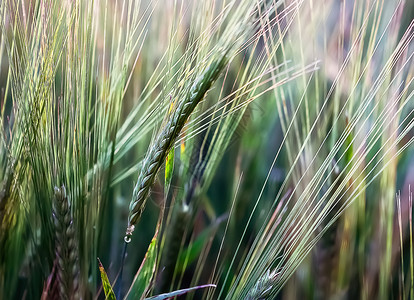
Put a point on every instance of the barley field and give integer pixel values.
(216, 149)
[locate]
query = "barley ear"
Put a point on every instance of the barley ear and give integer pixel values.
(165, 140)
(66, 246)
(263, 288)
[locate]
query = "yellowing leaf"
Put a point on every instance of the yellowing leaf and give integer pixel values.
(109, 293)
(169, 167)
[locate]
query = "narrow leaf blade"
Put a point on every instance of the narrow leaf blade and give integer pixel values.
(179, 292)
(109, 293)
(169, 168)
(145, 273)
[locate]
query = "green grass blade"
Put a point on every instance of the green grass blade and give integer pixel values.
(169, 168)
(109, 293)
(142, 280)
(180, 292)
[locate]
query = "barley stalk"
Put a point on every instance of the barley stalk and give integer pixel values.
(165, 140)
(66, 246)
(176, 233)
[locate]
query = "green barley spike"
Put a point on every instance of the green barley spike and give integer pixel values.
(263, 287)
(66, 247)
(165, 140)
